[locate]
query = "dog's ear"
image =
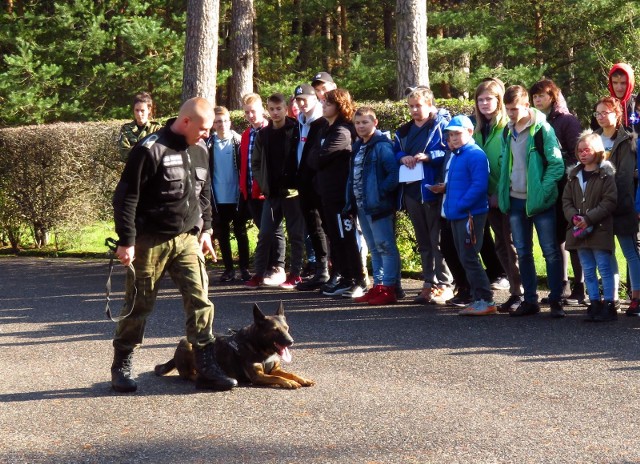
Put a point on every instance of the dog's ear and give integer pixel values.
(280, 311)
(257, 314)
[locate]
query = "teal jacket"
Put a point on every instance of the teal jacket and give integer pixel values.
(542, 181)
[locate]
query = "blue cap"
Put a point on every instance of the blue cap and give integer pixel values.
(459, 123)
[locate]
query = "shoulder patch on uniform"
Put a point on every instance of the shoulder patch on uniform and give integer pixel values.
(149, 141)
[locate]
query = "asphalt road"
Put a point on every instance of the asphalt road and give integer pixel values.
(397, 384)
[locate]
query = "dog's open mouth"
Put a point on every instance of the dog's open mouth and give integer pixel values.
(284, 353)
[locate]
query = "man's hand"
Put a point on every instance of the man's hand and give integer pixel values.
(207, 246)
(126, 255)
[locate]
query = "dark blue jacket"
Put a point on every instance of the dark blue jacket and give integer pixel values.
(467, 183)
(379, 175)
(436, 147)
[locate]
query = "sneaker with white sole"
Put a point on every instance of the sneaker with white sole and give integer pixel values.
(479, 308)
(342, 286)
(440, 295)
(276, 278)
(501, 283)
(511, 304)
(356, 290)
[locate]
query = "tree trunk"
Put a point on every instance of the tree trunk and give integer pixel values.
(538, 34)
(241, 51)
(387, 21)
(201, 50)
(411, 24)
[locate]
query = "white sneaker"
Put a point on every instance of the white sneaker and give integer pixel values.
(440, 295)
(276, 278)
(501, 283)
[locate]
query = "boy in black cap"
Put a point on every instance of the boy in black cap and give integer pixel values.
(323, 83)
(310, 124)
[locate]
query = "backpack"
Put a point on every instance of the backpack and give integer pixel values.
(538, 143)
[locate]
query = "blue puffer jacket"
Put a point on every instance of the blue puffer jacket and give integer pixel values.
(467, 183)
(435, 148)
(380, 177)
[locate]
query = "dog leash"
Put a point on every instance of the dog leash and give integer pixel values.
(112, 245)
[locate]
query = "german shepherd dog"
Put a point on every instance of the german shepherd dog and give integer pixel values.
(252, 354)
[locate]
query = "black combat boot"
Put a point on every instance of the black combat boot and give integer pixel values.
(210, 375)
(122, 372)
(608, 312)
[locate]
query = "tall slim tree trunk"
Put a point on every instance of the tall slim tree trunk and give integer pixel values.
(201, 50)
(241, 51)
(411, 24)
(387, 24)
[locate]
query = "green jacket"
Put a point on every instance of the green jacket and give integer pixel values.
(492, 146)
(130, 134)
(542, 182)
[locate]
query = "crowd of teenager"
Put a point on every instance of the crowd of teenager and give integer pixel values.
(315, 174)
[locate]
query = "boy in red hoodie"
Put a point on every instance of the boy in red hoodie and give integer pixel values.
(621, 82)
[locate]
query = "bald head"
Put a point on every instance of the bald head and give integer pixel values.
(194, 120)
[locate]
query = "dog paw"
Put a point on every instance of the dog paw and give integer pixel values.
(307, 382)
(291, 384)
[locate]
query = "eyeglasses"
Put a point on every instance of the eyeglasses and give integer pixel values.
(604, 114)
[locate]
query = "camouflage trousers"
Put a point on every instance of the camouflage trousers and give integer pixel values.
(182, 257)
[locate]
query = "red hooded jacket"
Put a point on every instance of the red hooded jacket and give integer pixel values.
(626, 98)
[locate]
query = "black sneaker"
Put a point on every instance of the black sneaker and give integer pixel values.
(460, 300)
(314, 283)
(356, 290)
(228, 276)
(343, 286)
(556, 310)
(525, 309)
(512, 303)
(577, 296)
(245, 275)
(331, 283)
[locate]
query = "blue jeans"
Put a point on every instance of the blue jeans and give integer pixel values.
(630, 252)
(381, 241)
(590, 259)
(522, 232)
(468, 254)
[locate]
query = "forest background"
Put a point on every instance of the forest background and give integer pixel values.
(81, 60)
(68, 70)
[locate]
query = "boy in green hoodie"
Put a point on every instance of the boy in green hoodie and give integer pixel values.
(527, 191)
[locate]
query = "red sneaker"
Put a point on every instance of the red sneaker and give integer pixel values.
(291, 281)
(373, 291)
(386, 295)
(255, 281)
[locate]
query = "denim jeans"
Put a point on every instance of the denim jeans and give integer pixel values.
(522, 232)
(468, 254)
(590, 259)
(630, 252)
(381, 241)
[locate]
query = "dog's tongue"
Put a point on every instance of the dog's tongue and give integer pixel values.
(285, 354)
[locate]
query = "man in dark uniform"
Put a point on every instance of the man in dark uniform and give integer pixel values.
(162, 212)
